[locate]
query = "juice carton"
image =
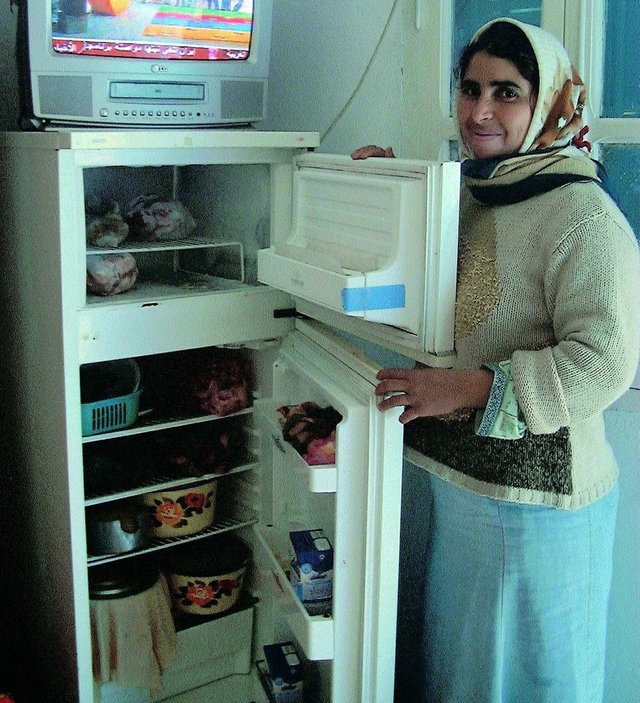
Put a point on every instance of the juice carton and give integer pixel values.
(312, 570)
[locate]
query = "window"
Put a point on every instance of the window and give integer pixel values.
(621, 97)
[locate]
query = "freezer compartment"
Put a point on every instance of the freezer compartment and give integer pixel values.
(370, 241)
(159, 232)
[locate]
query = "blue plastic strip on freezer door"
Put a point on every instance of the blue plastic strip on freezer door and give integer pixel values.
(373, 298)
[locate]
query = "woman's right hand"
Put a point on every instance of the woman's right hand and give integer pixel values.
(364, 152)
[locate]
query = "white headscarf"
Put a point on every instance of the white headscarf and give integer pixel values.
(557, 115)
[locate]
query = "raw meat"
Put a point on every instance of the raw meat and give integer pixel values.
(152, 218)
(223, 386)
(105, 226)
(109, 274)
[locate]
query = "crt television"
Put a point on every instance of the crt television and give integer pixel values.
(142, 63)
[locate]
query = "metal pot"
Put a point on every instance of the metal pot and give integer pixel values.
(117, 528)
(120, 580)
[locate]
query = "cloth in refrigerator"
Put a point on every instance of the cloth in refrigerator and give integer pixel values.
(133, 638)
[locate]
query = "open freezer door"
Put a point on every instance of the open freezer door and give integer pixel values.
(355, 500)
(374, 240)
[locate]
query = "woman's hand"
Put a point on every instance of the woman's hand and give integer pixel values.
(364, 152)
(425, 392)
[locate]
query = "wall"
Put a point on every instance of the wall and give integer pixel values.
(8, 75)
(319, 54)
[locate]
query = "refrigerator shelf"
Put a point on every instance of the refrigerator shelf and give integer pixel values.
(134, 247)
(320, 478)
(218, 527)
(161, 482)
(149, 423)
(182, 284)
(314, 633)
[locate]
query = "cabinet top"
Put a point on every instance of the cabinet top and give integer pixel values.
(158, 138)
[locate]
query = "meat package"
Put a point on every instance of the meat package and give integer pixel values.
(109, 274)
(152, 218)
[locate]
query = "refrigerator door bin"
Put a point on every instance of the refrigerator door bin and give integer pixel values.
(318, 478)
(314, 633)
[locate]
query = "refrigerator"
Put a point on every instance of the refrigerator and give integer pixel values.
(294, 262)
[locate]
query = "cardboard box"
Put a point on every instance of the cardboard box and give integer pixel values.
(285, 672)
(312, 570)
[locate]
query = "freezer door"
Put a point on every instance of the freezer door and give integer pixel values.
(358, 508)
(374, 240)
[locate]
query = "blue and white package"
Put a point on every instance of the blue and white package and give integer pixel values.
(286, 675)
(312, 570)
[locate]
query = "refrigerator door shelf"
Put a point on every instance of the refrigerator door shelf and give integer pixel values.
(314, 633)
(319, 478)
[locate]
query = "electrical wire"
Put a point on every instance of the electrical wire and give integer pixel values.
(363, 77)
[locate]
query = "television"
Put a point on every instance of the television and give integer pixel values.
(142, 63)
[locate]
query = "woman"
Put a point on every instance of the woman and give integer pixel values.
(547, 320)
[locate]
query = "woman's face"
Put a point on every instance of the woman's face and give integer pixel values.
(495, 106)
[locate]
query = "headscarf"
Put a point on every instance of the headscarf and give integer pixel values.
(550, 155)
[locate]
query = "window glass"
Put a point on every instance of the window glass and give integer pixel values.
(622, 164)
(621, 97)
(470, 15)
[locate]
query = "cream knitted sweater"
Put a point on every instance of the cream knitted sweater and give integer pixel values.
(551, 283)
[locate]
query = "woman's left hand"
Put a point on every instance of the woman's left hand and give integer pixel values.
(426, 392)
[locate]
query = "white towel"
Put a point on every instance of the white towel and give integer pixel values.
(133, 638)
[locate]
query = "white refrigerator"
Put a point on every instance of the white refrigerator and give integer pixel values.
(290, 250)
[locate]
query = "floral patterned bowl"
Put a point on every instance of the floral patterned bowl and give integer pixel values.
(182, 511)
(206, 578)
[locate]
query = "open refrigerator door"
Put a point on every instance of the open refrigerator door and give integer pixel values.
(346, 636)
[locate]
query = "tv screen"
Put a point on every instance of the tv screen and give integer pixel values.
(172, 30)
(143, 63)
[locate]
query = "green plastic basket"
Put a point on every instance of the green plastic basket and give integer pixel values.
(111, 414)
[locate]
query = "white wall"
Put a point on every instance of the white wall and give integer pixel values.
(319, 54)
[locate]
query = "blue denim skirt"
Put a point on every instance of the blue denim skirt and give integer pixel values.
(516, 599)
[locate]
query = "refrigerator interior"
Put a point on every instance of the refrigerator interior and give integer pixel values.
(227, 220)
(265, 490)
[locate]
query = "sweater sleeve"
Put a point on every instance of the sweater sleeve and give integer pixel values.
(592, 290)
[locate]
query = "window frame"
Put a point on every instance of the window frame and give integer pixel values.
(427, 33)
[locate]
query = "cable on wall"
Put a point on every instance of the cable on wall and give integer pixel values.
(356, 90)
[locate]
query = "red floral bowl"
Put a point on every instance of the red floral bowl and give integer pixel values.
(182, 511)
(207, 577)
